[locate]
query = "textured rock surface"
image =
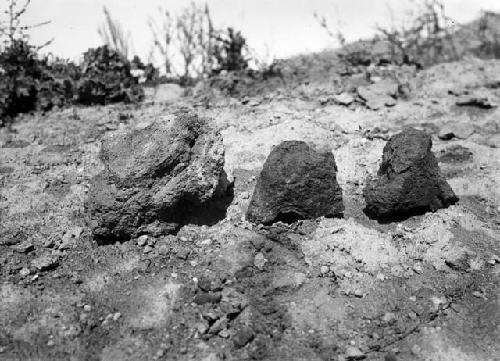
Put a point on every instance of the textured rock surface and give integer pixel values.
(380, 94)
(157, 178)
(409, 179)
(296, 182)
(460, 130)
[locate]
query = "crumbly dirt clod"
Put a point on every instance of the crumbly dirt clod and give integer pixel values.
(156, 178)
(296, 182)
(409, 179)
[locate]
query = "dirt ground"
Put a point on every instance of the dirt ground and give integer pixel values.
(351, 288)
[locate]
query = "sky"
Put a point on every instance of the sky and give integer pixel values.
(273, 28)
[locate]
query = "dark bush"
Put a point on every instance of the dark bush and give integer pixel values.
(20, 72)
(57, 84)
(106, 78)
(29, 83)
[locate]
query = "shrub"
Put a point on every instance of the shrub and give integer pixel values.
(106, 78)
(20, 73)
(202, 50)
(195, 37)
(57, 84)
(29, 83)
(229, 51)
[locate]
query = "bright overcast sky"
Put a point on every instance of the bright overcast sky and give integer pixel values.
(274, 28)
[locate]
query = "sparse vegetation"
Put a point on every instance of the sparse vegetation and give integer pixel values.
(162, 31)
(192, 41)
(113, 35)
(336, 34)
(425, 38)
(12, 28)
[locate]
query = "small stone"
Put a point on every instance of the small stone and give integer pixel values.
(389, 318)
(259, 261)
(24, 272)
(358, 293)
(76, 279)
(242, 337)
(204, 283)
(206, 242)
(142, 240)
(493, 260)
(87, 308)
(354, 353)
(418, 268)
(164, 250)
(24, 247)
(476, 100)
(219, 325)
(207, 297)
(45, 262)
(147, 249)
(70, 238)
(49, 242)
(117, 316)
(493, 141)
(182, 253)
(245, 195)
(415, 349)
(461, 130)
(201, 328)
(343, 99)
(210, 315)
(380, 94)
(50, 343)
(324, 270)
(160, 353)
(477, 294)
